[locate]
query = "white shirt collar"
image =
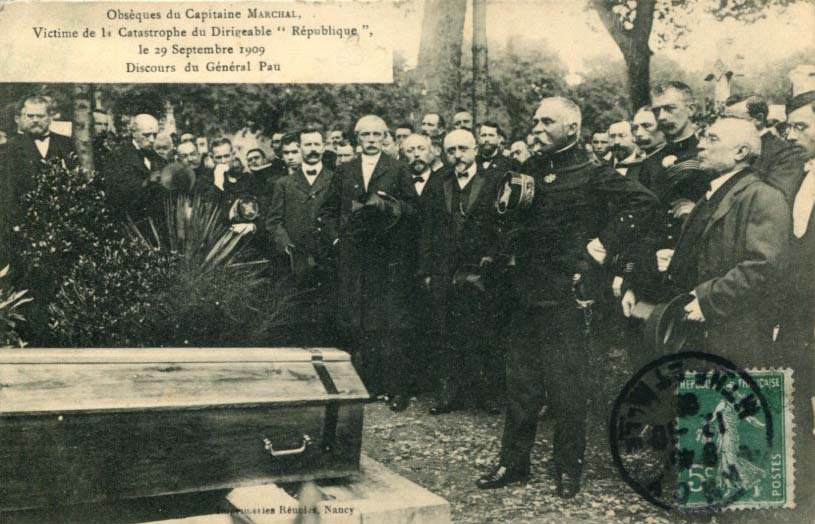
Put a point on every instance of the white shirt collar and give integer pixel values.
(264, 166)
(370, 160)
(717, 182)
(425, 177)
(471, 171)
(804, 201)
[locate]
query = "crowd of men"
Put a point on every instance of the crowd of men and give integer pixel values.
(396, 236)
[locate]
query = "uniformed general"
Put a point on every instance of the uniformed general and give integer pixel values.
(570, 225)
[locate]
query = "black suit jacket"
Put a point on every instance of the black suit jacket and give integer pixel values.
(294, 215)
(128, 186)
(441, 254)
(445, 255)
(375, 270)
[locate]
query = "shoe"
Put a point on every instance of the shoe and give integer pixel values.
(442, 407)
(567, 486)
(502, 476)
(400, 403)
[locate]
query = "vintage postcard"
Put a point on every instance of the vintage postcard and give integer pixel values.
(407, 261)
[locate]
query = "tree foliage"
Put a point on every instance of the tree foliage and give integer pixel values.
(633, 23)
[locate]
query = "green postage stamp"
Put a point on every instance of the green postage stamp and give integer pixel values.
(735, 447)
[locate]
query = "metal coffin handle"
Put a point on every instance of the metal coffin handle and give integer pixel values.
(267, 445)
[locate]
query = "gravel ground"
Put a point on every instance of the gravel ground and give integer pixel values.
(445, 454)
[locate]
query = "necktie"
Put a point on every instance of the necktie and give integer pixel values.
(418, 179)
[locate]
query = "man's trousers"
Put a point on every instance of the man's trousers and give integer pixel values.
(547, 360)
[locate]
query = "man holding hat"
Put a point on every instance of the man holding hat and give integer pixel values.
(375, 203)
(459, 247)
(733, 249)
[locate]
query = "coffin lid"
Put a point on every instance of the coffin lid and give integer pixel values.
(48, 381)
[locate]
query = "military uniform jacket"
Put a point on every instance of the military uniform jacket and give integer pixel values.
(672, 174)
(376, 269)
(575, 201)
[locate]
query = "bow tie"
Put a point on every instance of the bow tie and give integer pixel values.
(311, 172)
(42, 138)
(463, 175)
(418, 179)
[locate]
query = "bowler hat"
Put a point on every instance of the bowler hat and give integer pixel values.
(666, 330)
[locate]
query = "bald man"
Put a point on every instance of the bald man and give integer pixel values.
(132, 178)
(458, 248)
(164, 147)
(374, 200)
(732, 253)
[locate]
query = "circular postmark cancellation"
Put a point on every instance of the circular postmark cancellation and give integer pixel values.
(692, 432)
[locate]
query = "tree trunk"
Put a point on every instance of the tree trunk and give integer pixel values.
(638, 69)
(633, 44)
(439, 66)
(481, 79)
(82, 125)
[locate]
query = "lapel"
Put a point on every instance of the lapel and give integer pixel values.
(380, 169)
(728, 201)
(354, 169)
(477, 183)
(322, 181)
(448, 191)
(301, 183)
(29, 148)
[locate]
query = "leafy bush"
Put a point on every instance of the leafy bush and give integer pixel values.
(108, 297)
(65, 216)
(180, 283)
(10, 300)
(180, 279)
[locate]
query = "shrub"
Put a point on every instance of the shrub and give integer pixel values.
(10, 300)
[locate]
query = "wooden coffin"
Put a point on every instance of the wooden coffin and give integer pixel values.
(81, 425)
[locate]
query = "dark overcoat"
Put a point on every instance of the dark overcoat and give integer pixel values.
(376, 273)
(128, 186)
(741, 262)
